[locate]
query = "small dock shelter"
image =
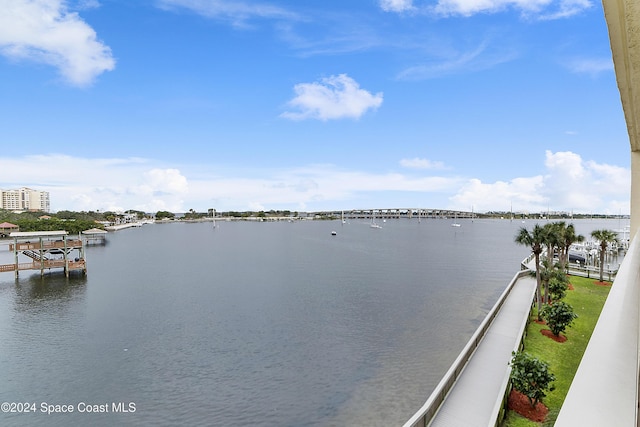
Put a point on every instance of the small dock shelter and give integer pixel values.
(45, 250)
(7, 228)
(95, 236)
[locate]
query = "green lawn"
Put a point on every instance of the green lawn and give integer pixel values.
(587, 300)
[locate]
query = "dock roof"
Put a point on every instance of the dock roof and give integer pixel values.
(38, 233)
(95, 231)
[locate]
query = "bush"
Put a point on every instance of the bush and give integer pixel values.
(558, 286)
(558, 316)
(530, 376)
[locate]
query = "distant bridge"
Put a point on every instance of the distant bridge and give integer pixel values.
(410, 213)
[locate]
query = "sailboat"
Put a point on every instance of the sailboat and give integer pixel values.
(455, 222)
(213, 215)
(374, 224)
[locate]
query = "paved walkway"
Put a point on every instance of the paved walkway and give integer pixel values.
(474, 399)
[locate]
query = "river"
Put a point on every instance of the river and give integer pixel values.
(264, 324)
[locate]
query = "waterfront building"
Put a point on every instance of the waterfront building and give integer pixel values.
(25, 199)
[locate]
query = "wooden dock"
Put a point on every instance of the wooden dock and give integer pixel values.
(45, 250)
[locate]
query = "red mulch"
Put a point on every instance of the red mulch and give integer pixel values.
(597, 282)
(556, 338)
(519, 403)
(540, 322)
(571, 288)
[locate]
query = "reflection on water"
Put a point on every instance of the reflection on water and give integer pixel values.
(52, 287)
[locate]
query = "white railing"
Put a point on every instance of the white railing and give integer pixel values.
(425, 414)
(524, 265)
(590, 271)
(604, 391)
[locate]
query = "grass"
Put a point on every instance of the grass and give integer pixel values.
(587, 300)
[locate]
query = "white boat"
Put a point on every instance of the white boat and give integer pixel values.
(578, 253)
(213, 217)
(455, 221)
(374, 224)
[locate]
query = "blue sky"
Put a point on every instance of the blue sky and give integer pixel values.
(312, 105)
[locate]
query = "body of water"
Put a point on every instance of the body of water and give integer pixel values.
(263, 324)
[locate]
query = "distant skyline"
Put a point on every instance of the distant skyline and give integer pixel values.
(308, 106)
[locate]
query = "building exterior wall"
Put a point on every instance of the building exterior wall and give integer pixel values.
(24, 199)
(623, 22)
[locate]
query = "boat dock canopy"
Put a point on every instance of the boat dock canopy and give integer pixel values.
(27, 234)
(44, 250)
(95, 231)
(95, 236)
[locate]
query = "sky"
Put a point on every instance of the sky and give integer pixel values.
(484, 105)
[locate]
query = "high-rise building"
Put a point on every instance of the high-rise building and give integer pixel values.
(24, 199)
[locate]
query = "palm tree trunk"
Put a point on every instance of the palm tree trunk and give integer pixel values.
(538, 286)
(547, 296)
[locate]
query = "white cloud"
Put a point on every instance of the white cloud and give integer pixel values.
(334, 97)
(590, 66)
(106, 184)
(87, 4)
(238, 13)
(566, 9)
(396, 5)
(585, 185)
(471, 7)
(521, 193)
(418, 163)
(539, 9)
(480, 58)
(310, 185)
(569, 184)
(167, 181)
(565, 163)
(45, 31)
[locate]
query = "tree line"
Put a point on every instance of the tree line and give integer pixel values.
(70, 221)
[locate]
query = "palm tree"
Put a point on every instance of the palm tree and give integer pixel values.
(534, 240)
(552, 237)
(604, 237)
(547, 272)
(552, 233)
(569, 237)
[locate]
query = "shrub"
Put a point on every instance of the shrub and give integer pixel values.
(558, 285)
(558, 316)
(530, 376)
